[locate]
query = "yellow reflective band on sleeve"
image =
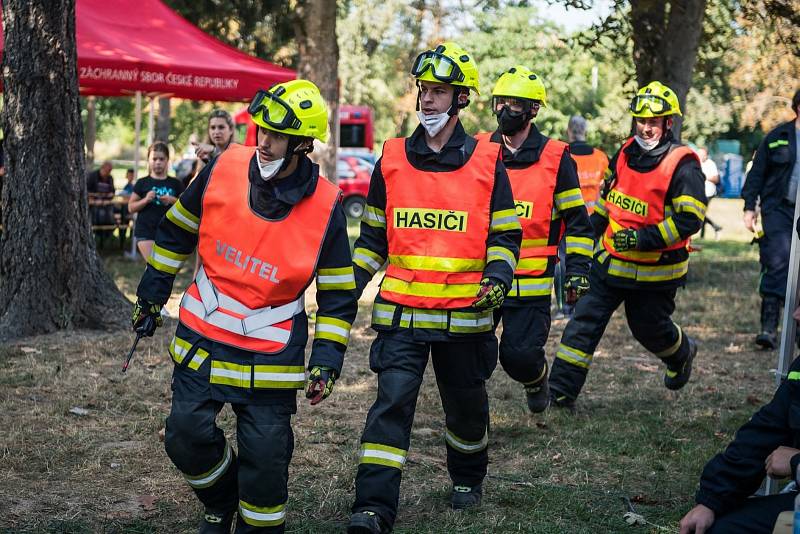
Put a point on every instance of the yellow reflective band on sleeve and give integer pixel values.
(337, 278)
(672, 349)
(501, 254)
(571, 198)
(580, 245)
(383, 314)
(430, 263)
(279, 376)
(427, 289)
(647, 273)
(794, 375)
(230, 374)
(212, 475)
(464, 446)
(471, 322)
(574, 356)
(368, 260)
(332, 329)
(504, 220)
(688, 204)
(600, 208)
(262, 516)
(181, 217)
(435, 319)
(532, 264)
(669, 232)
(532, 287)
(375, 453)
(165, 260)
(374, 217)
(778, 143)
(179, 348)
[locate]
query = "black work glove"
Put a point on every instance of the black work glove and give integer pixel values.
(146, 317)
(319, 384)
(575, 287)
(626, 239)
(491, 294)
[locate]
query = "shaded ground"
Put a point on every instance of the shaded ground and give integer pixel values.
(103, 468)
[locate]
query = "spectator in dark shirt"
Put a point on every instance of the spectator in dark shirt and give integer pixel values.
(99, 182)
(152, 196)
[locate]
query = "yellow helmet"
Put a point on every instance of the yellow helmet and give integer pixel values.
(520, 82)
(447, 63)
(295, 107)
(655, 100)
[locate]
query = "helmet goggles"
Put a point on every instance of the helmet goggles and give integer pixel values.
(515, 105)
(274, 111)
(442, 67)
(656, 104)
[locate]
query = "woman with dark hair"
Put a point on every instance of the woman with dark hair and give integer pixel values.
(152, 196)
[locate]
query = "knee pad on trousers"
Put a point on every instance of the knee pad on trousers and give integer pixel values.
(523, 364)
(466, 412)
(184, 436)
(662, 339)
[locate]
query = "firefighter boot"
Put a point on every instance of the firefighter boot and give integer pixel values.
(538, 395)
(559, 400)
(216, 522)
(677, 376)
(770, 314)
(463, 497)
(366, 522)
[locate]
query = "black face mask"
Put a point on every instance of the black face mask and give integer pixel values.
(511, 123)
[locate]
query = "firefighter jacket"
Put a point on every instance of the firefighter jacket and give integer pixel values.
(224, 206)
(768, 178)
(660, 193)
(730, 477)
(549, 205)
(592, 170)
(443, 221)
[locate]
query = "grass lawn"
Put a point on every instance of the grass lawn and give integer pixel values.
(104, 468)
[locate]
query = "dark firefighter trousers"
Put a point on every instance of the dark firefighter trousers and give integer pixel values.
(526, 325)
(774, 248)
(255, 480)
(648, 314)
(756, 515)
(461, 368)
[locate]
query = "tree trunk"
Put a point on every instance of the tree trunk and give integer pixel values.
(91, 128)
(319, 60)
(50, 275)
(666, 37)
(163, 119)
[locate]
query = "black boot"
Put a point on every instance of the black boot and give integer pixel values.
(770, 314)
(216, 522)
(366, 522)
(538, 396)
(677, 376)
(463, 497)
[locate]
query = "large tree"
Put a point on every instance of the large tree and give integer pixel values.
(50, 275)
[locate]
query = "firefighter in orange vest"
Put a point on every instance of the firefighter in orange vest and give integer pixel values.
(441, 212)
(592, 170)
(265, 226)
(652, 203)
(549, 205)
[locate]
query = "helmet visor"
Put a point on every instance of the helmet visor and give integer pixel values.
(442, 67)
(273, 111)
(515, 106)
(655, 104)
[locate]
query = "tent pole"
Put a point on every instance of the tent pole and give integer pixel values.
(136, 140)
(151, 121)
(789, 326)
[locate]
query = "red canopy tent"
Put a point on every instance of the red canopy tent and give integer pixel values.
(126, 46)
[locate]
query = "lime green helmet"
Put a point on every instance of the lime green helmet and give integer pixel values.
(295, 108)
(655, 100)
(447, 63)
(521, 82)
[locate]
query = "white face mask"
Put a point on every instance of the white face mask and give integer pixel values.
(647, 145)
(268, 169)
(433, 124)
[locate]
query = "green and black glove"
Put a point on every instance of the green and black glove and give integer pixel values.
(491, 294)
(146, 317)
(626, 239)
(319, 384)
(575, 287)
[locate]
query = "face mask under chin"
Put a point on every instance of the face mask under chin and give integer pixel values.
(435, 123)
(268, 169)
(647, 144)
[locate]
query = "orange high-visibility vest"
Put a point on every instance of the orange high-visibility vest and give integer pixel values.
(534, 188)
(637, 199)
(437, 224)
(254, 271)
(591, 169)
